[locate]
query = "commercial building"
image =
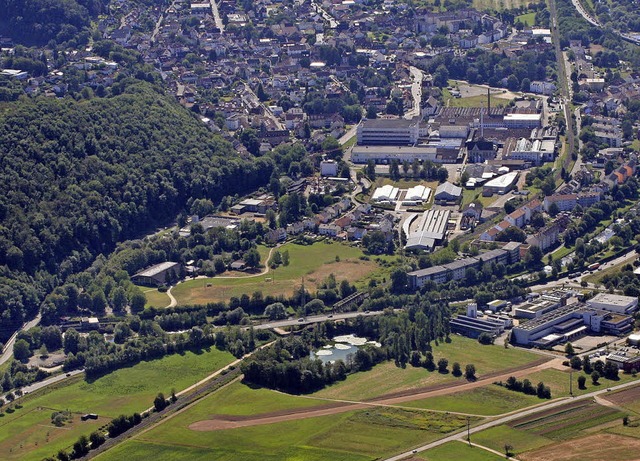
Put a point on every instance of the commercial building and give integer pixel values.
(386, 193)
(417, 194)
(388, 132)
(329, 168)
(431, 230)
(473, 326)
(500, 185)
(625, 360)
(386, 154)
(522, 120)
(447, 192)
(157, 275)
(614, 303)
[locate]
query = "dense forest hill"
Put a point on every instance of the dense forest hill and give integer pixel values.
(79, 176)
(38, 21)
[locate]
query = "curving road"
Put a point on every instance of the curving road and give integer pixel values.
(7, 352)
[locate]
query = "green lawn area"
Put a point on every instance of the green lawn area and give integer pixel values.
(527, 19)
(313, 262)
(388, 378)
(459, 451)
(28, 433)
(241, 400)
(485, 401)
(154, 297)
(521, 441)
(469, 195)
(361, 435)
(478, 101)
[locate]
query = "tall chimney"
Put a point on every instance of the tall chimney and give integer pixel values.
(489, 102)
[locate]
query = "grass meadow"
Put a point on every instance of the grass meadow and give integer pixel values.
(388, 378)
(484, 401)
(459, 451)
(313, 262)
(359, 435)
(27, 434)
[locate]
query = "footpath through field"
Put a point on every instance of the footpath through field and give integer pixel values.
(342, 406)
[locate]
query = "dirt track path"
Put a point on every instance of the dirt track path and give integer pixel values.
(343, 406)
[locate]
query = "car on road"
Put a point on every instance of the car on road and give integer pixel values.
(301, 320)
(330, 316)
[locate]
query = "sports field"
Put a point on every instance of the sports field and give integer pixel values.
(313, 262)
(389, 378)
(29, 434)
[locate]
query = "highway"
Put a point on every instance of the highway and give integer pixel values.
(461, 435)
(313, 319)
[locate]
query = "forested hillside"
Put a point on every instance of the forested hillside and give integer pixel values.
(78, 177)
(38, 21)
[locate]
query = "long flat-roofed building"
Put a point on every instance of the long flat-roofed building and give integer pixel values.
(614, 303)
(385, 154)
(388, 132)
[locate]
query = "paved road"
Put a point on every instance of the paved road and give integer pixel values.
(506, 419)
(39, 385)
(216, 16)
(563, 81)
(7, 353)
(313, 319)
(416, 92)
(576, 282)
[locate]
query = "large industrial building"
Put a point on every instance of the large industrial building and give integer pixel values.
(500, 185)
(388, 132)
(431, 230)
(473, 326)
(599, 315)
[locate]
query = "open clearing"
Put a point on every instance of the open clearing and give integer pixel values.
(313, 262)
(154, 297)
(486, 401)
(28, 433)
(388, 378)
(498, 5)
(360, 435)
(459, 451)
(596, 447)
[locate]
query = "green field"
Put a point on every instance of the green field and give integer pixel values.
(528, 19)
(29, 434)
(459, 451)
(313, 262)
(389, 378)
(497, 437)
(241, 400)
(478, 101)
(485, 401)
(361, 435)
(155, 298)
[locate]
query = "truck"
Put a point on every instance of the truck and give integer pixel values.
(593, 267)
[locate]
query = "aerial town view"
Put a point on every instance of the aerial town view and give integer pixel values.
(309, 230)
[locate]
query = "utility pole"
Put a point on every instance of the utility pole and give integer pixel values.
(468, 431)
(571, 382)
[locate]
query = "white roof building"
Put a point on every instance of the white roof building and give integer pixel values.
(418, 193)
(386, 193)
